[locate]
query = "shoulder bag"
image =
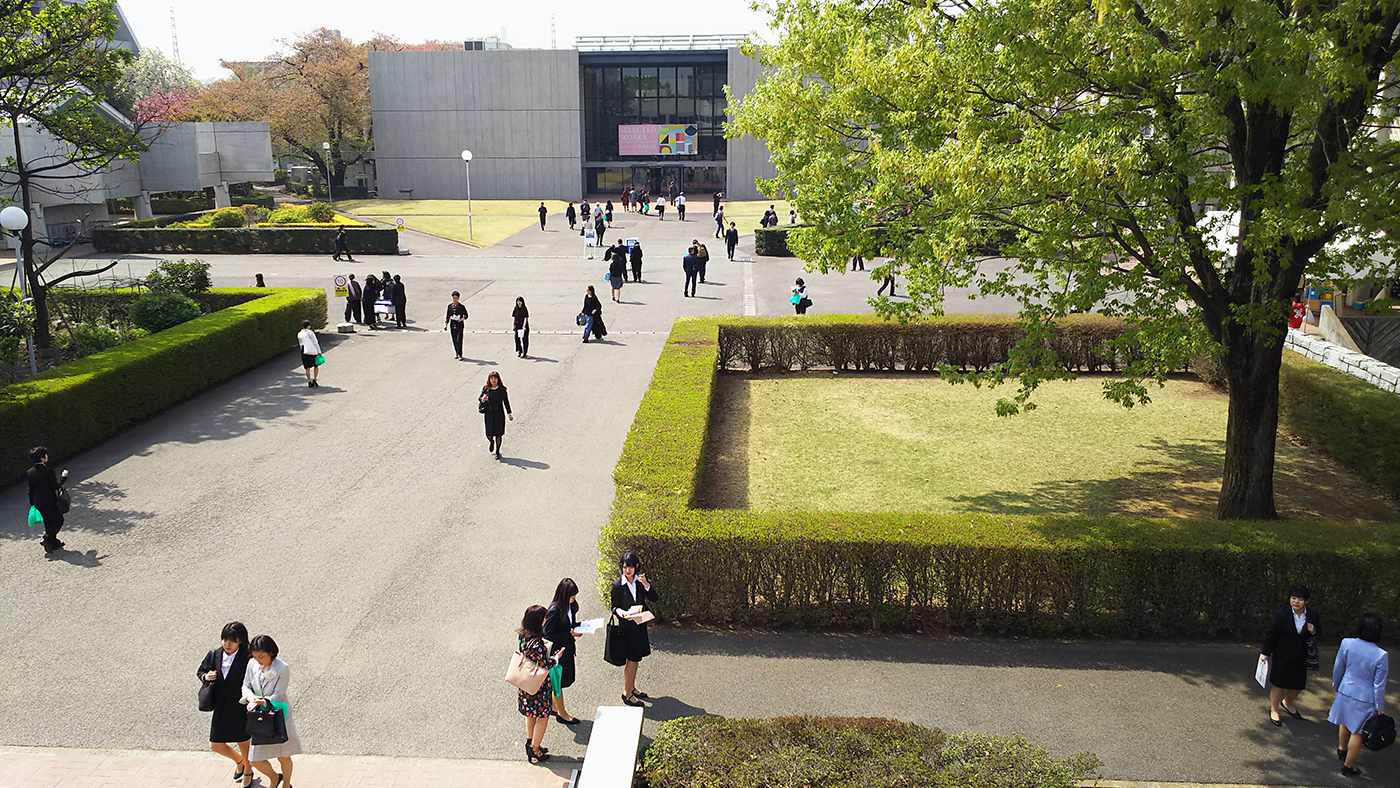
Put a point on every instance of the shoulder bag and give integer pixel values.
(1313, 662)
(526, 675)
(268, 724)
(65, 503)
(614, 646)
(206, 688)
(1378, 732)
(481, 404)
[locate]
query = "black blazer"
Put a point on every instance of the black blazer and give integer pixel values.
(43, 486)
(1284, 642)
(400, 297)
(228, 690)
(622, 598)
(556, 627)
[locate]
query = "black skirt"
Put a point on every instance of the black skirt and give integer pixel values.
(1287, 673)
(230, 723)
(627, 642)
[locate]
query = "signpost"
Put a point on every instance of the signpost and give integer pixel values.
(342, 287)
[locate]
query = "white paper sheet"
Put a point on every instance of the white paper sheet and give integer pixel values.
(1261, 673)
(640, 618)
(590, 626)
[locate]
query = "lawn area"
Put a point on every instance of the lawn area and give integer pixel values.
(917, 444)
(746, 213)
(493, 221)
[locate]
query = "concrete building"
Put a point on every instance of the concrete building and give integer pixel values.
(542, 123)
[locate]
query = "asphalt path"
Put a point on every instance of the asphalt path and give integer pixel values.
(365, 526)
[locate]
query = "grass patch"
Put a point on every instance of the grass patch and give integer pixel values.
(889, 443)
(391, 208)
(745, 213)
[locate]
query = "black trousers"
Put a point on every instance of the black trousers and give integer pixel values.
(689, 287)
(680, 211)
(456, 329)
(637, 271)
(352, 308)
(399, 319)
(731, 248)
(522, 343)
(702, 268)
(541, 222)
(370, 318)
(53, 520)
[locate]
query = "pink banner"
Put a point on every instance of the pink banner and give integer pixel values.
(638, 140)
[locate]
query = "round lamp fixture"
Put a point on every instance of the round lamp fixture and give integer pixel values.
(14, 219)
(325, 146)
(466, 155)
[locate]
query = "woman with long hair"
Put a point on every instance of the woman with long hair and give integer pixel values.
(593, 316)
(223, 670)
(496, 409)
(535, 708)
(521, 317)
(560, 629)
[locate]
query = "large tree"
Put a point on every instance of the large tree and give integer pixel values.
(151, 73)
(57, 64)
(1088, 138)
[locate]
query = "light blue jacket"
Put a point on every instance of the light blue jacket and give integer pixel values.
(1360, 672)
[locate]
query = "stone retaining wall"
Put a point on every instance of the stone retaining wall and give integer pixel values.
(1377, 373)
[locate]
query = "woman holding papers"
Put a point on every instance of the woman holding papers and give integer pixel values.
(1286, 650)
(627, 643)
(560, 629)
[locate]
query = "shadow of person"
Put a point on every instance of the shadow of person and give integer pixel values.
(480, 362)
(519, 463)
(87, 560)
(322, 388)
(542, 358)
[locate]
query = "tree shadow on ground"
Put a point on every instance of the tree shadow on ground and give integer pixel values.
(724, 479)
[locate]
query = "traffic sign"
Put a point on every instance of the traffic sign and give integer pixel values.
(342, 287)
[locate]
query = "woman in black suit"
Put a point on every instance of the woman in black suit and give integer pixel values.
(1286, 648)
(497, 410)
(224, 668)
(627, 642)
(560, 629)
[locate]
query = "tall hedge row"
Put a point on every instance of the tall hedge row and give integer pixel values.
(1355, 422)
(74, 407)
(243, 240)
(867, 342)
(1037, 574)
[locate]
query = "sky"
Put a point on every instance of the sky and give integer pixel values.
(252, 29)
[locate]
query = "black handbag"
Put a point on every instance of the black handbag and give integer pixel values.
(1313, 662)
(614, 647)
(481, 406)
(207, 697)
(267, 725)
(1378, 732)
(64, 504)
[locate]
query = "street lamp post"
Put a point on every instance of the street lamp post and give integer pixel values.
(14, 219)
(326, 146)
(467, 157)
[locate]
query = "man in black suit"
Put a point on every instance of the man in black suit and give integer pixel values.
(43, 495)
(691, 265)
(352, 300)
(731, 240)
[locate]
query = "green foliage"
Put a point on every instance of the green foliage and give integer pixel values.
(159, 310)
(11, 351)
(291, 214)
(226, 217)
(320, 212)
(792, 752)
(151, 72)
(169, 205)
(88, 338)
(1351, 420)
(847, 752)
(112, 306)
(16, 317)
(74, 407)
(1034, 574)
(773, 241)
(187, 277)
(248, 240)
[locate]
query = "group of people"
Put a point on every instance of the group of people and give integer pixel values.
(547, 637)
(240, 677)
(597, 216)
(360, 300)
(617, 257)
(1359, 672)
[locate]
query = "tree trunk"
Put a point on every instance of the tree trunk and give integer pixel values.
(37, 293)
(1251, 370)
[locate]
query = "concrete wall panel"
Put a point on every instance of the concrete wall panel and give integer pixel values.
(748, 157)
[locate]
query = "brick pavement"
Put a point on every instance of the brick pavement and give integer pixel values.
(55, 767)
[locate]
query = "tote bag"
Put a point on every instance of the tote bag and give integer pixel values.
(526, 675)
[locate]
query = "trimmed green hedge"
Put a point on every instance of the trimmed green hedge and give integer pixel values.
(1045, 574)
(847, 752)
(78, 405)
(77, 305)
(245, 240)
(868, 342)
(772, 241)
(1355, 422)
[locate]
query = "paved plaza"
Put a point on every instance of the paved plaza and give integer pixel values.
(365, 526)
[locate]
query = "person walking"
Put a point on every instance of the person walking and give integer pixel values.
(718, 196)
(571, 215)
(456, 322)
(593, 316)
(617, 270)
(703, 255)
(636, 254)
(1359, 675)
(626, 202)
(690, 264)
(400, 303)
(608, 212)
(731, 240)
(44, 489)
(222, 670)
(371, 295)
(543, 213)
(258, 281)
(857, 262)
(887, 280)
(600, 226)
(353, 294)
(535, 708)
(339, 246)
(495, 406)
(266, 682)
(585, 216)
(719, 221)
(680, 206)
(561, 630)
(1286, 650)
(661, 208)
(799, 299)
(310, 353)
(627, 640)
(520, 316)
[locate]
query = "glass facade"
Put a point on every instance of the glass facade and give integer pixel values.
(653, 93)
